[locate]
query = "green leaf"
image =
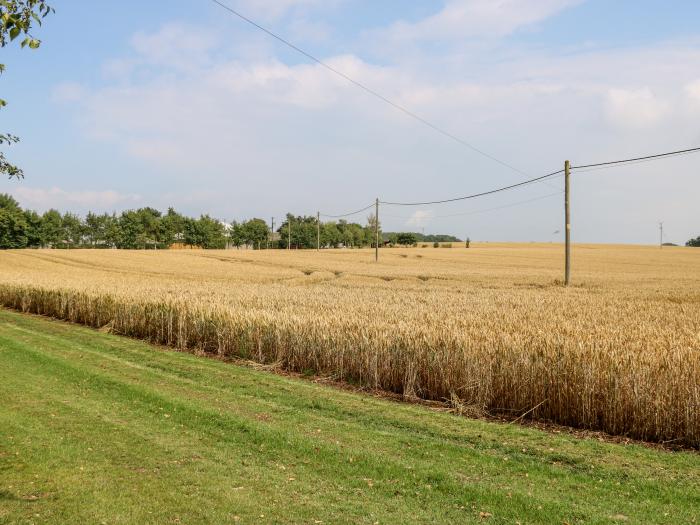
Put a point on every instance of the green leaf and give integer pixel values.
(33, 43)
(14, 32)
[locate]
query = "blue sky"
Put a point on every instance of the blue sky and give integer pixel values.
(180, 103)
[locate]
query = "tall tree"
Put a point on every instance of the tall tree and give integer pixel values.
(72, 230)
(112, 232)
(51, 228)
(172, 228)
(16, 20)
(95, 228)
(255, 232)
(33, 229)
(210, 233)
(370, 229)
(13, 228)
(8, 202)
(236, 234)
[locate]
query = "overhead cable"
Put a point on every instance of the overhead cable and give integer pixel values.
(347, 214)
(367, 89)
(475, 195)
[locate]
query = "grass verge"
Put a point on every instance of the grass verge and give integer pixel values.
(96, 428)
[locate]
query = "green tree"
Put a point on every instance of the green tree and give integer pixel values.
(72, 230)
(255, 232)
(236, 234)
(112, 230)
(330, 235)
(205, 232)
(51, 228)
(8, 202)
(303, 232)
(131, 230)
(370, 232)
(139, 228)
(150, 218)
(16, 20)
(405, 238)
(34, 230)
(95, 228)
(695, 243)
(172, 228)
(13, 229)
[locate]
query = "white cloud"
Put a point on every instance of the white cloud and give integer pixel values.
(73, 200)
(419, 218)
(460, 19)
(180, 46)
(271, 9)
(635, 108)
(68, 92)
(251, 135)
(692, 91)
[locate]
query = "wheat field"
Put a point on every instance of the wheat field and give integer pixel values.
(487, 329)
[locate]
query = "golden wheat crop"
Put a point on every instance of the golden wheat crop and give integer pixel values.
(487, 328)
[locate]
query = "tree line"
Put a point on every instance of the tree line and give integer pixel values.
(409, 238)
(148, 228)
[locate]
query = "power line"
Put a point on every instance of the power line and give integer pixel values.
(599, 165)
(347, 214)
(636, 159)
(438, 130)
(368, 89)
(475, 195)
(630, 163)
(475, 212)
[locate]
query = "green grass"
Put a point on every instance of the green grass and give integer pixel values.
(96, 428)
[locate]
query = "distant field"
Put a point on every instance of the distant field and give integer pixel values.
(96, 428)
(487, 328)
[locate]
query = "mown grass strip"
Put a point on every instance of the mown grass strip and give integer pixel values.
(98, 428)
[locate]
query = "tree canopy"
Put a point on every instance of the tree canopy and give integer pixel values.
(17, 18)
(148, 228)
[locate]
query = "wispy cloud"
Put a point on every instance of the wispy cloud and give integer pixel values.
(74, 200)
(460, 19)
(272, 9)
(257, 132)
(636, 107)
(419, 218)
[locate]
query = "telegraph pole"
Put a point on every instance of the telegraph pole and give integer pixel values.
(661, 234)
(289, 232)
(567, 223)
(272, 231)
(376, 230)
(318, 231)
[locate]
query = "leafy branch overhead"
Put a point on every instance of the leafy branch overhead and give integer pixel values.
(16, 20)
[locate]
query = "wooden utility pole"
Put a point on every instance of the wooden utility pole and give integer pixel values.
(661, 234)
(567, 224)
(376, 230)
(272, 231)
(318, 231)
(289, 232)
